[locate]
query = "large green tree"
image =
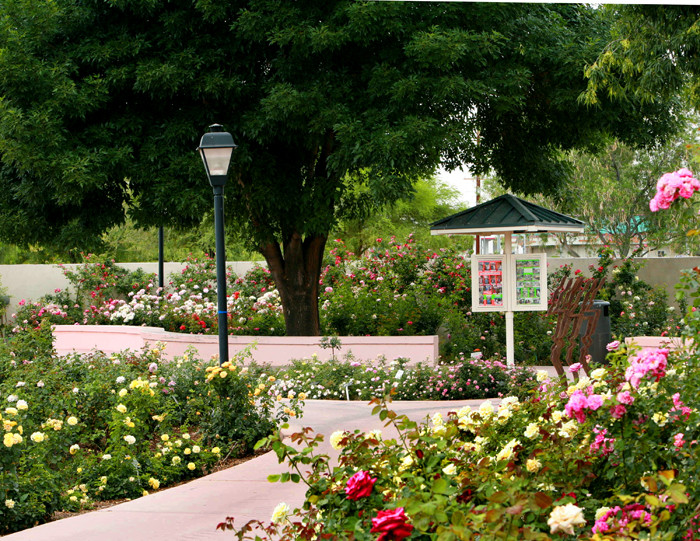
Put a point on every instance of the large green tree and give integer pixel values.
(103, 102)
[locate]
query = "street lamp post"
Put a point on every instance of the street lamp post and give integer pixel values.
(216, 148)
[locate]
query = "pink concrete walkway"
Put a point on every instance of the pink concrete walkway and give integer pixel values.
(192, 511)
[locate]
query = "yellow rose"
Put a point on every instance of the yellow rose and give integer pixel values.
(191, 466)
(9, 439)
(533, 465)
(165, 437)
(123, 393)
(216, 450)
(74, 449)
(155, 484)
(187, 451)
(72, 421)
(37, 437)
(121, 408)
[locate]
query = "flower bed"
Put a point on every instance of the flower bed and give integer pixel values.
(613, 456)
(99, 427)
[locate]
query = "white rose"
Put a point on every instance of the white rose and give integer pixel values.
(335, 440)
(281, 512)
(565, 518)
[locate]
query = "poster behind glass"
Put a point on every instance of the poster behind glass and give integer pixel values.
(530, 282)
(490, 285)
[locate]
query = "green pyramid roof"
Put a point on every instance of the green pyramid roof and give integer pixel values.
(503, 214)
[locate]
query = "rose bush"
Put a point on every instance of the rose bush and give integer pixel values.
(95, 427)
(613, 455)
(352, 379)
(395, 289)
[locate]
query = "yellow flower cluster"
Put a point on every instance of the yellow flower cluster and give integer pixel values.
(220, 371)
(11, 439)
(55, 424)
(140, 385)
(78, 493)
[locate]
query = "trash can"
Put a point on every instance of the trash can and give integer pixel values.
(602, 335)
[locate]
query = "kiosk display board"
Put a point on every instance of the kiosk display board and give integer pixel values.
(502, 283)
(530, 289)
(488, 283)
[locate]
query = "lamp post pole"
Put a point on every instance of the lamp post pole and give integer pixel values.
(221, 272)
(161, 279)
(216, 148)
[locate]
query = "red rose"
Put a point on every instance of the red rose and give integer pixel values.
(360, 485)
(391, 524)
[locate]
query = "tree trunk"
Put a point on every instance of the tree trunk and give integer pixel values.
(296, 273)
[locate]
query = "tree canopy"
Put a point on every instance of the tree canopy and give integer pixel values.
(102, 105)
(653, 54)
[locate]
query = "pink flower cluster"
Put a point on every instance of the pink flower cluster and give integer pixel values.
(578, 402)
(679, 406)
(618, 518)
(671, 186)
(602, 444)
(650, 362)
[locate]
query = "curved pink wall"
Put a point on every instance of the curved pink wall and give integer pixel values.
(275, 350)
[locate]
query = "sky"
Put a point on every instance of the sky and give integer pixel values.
(463, 181)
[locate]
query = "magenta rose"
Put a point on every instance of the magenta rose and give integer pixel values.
(360, 485)
(391, 524)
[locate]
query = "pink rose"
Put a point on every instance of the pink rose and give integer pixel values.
(577, 403)
(595, 401)
(617, 411)
(612, 346)
(625, 397)
(392, 525)
(575, 367)
(360, 485)
(678, 440)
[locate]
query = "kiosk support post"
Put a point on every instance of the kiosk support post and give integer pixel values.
(510, 340)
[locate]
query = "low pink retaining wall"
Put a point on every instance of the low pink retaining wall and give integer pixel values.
(275, 350)
(670, 342)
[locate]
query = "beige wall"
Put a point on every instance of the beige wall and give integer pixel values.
(32, 281)
(658, 271)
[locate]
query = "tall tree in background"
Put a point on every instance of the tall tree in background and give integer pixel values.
(102, 105)
(610, 192)
(430, 200)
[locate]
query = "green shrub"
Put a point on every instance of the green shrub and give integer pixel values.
(610, 457)
(88, 427)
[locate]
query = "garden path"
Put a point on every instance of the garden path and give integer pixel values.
(190, 512)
